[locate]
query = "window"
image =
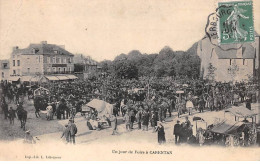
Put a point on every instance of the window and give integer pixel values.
(69, 60)
(53, 60)
(244, 61)
(55, 51)
(59, 69)
(65, 60)
(13, 62)
(58, 60)
(230, 61)
(14, 72)
(64, 69)
(48, 59)
(48, 69)
(69, 69)
(28, 70)
(54, 69)
(18, 62)
(18, 72)
(5, 65)
(3, 74)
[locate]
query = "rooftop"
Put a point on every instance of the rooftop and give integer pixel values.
(42, 49)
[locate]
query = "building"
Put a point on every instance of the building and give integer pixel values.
(4, 69)
(41, 59)
(89, 66)
(232, 62)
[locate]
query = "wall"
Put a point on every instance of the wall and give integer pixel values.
(34, 62)
(51, 66)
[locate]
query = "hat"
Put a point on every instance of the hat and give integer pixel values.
(159, 122)
(178, 121)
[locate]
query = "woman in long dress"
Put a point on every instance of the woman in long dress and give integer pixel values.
(161, 133)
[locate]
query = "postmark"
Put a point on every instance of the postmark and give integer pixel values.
(235, 22)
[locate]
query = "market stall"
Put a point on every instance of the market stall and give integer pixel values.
(234, 133)
(241, 112)
(100, 112)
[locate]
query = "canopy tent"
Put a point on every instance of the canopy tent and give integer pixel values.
(86, 108)
(227, 127)
(241, 111)
(102, 107)
(41, 91)
(13, 78)
(72, 77)
(52, 78)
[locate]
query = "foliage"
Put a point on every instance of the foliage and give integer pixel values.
(211, 73)
(166, 63)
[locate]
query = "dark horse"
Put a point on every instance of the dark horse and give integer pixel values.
(40, 103)
(22, 115)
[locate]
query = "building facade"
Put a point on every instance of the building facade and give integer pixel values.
(231, 62)
(41, 59)
(4, 69)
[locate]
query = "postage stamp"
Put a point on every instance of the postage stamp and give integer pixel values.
(235, 24)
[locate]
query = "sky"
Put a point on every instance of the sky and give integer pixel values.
(104, 29)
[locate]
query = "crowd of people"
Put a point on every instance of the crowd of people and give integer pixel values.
(147, 101)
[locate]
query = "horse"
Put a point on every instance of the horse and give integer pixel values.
(22, 116)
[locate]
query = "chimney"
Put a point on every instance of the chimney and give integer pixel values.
(44, 42)
(15, 48)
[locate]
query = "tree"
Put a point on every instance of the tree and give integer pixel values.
(211, 73)
(125, 70)
(233, 69)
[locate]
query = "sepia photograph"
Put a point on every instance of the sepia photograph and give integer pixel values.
(129, 80)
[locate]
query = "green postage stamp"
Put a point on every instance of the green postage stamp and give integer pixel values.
(236, 24)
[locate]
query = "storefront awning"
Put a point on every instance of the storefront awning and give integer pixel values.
(63, 77)
(13, 78)
(35, 79)
(26, 78)
(52, 78)
(72, 77)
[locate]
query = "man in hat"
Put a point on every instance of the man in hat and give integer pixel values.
(176, 132)
(127, 121)
(49, 111)
(139, 118)
(145, 119)
(73, 130)
(132, 118)
(153, 120)
(29, 138)
(66, 134)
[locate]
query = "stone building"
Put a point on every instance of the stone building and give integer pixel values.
(41, 59)
(233, 62)
(4, 69)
